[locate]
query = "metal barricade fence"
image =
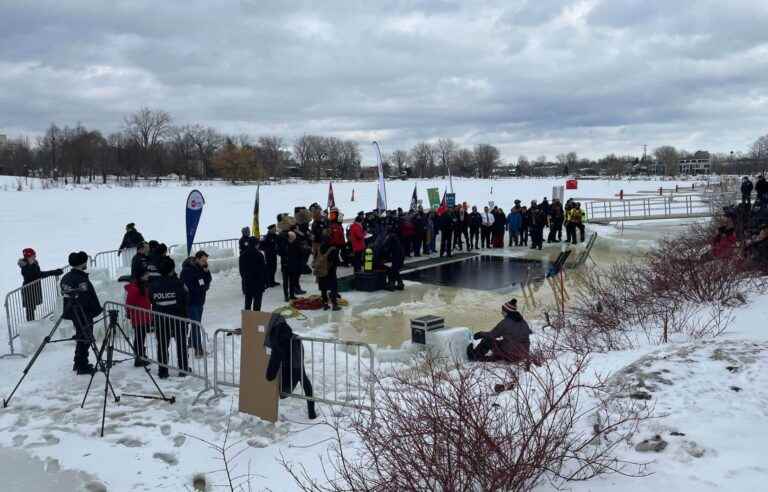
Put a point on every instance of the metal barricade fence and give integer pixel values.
(162, 336)
(218, 244)
(338, 369)
(34, 301)
(114, 261)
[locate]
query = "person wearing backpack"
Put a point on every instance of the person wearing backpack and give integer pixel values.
(324, 266)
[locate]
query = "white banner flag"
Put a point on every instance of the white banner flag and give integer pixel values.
(381, 196)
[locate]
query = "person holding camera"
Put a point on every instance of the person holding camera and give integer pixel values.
(169, 296)
(81, 305)
(197, 280)
(32, 296)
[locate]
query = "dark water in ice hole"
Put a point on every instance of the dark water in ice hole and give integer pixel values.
(483, 272)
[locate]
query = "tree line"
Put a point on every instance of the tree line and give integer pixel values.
(149, 145)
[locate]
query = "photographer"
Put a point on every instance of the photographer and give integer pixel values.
(169, 296)
(81, 305)
(31, 273)
(197, 280)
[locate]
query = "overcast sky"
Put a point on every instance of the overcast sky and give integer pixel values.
(532, 77)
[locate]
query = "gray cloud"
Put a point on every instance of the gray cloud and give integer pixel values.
(531, 76)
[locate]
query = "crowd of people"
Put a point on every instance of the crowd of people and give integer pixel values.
(312, 240)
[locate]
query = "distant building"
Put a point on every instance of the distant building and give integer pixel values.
(699, 163)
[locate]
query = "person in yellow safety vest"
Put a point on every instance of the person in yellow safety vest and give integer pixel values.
(577, 222)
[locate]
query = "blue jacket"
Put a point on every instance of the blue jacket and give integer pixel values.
(196, 280)
(514, 221)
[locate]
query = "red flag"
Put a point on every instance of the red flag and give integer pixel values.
(443, 206)
(331, 201)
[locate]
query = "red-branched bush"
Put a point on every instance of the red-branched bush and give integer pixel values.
(444, 428)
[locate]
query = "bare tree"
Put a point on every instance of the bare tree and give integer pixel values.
(759, 149)
(445, 150)
(423, 159)
(486, 158)
(464, 163)
(670, 158)
(206, 141)
(400, 160)
(148, 128)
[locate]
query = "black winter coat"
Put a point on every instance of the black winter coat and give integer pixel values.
(396, 253)
(169, 296)
(287, 355)
(295, 256)
(475, 221)
(33, 294)
(196, 280)
(131, 239)
(253, 271)
(746, 187)
(242, 243)
(330, 281)
(76, 285)
(139, 263)
(761, 187)
(268, 246)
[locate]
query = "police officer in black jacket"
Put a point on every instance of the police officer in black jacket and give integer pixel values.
(169, 296)
(253, 274)
(140, 261)
(157, 252)
(81, 305)
(268, 246)
(245, 236)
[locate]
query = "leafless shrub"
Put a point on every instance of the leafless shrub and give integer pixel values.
(445, 428)
(676, 289)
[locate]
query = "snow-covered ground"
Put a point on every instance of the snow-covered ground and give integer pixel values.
(147, 444)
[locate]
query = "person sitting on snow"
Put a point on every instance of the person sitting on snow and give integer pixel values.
(508, 341)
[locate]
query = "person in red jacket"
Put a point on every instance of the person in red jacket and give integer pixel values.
(357, 238)
(137, 295)
(335, 229)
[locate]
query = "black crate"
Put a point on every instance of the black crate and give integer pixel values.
(370, 281)
(420, 327)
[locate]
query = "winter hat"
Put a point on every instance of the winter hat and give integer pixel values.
(510, 306)
(78, 259)
(166, 265)
(162, 249)
(28, 252)
(130, 226)
(201, 254)
(246, 231)
(153, 245)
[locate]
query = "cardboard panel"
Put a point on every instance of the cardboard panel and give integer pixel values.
(258, 396)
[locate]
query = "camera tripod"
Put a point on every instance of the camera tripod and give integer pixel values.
(78, 313)
(79, 318)
(108, 346)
